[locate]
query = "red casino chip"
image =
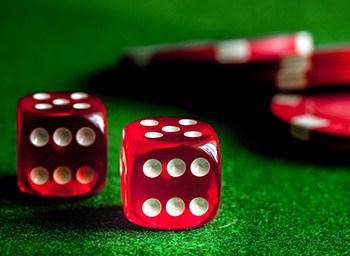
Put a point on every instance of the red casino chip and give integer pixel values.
(296, 78)
(315, 116)
(333, 75)
(322, 56)
(227, 51)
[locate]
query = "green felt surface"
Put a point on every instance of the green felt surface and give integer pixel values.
(270, 205)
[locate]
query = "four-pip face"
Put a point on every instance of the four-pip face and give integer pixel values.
(62, 144)
(170, 173)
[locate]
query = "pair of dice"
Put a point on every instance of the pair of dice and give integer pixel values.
(170, 167)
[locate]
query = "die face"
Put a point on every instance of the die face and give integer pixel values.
(172, 181)
(62, 150)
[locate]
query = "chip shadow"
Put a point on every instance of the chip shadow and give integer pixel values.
(203, 87)
(215, 92)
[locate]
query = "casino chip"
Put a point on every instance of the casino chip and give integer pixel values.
(283, 62)
(242, 50)
(326, 66)
(314, 117)
(323, 55)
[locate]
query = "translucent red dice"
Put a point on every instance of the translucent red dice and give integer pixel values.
(170, 173)
(61, 144)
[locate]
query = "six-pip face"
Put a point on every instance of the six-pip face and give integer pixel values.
(62, 144)
(170, 173)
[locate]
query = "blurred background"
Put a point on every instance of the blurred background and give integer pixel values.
(279, 196)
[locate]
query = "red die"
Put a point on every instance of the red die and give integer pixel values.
(61, 144)
(170, 173)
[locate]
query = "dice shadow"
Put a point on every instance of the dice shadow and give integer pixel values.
(89, 218)
(55, 213)
(83, 218)
(10, 192)
(246, 111)
(105, 218)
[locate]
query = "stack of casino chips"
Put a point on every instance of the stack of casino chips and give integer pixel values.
(288, 62)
